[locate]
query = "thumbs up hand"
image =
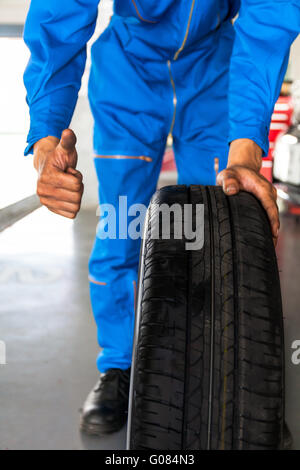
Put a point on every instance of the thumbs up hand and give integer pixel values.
(59, 185)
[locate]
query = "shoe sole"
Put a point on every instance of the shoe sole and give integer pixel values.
(99, 431)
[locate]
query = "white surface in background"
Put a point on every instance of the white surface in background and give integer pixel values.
(287, 159)
(14, 113)
(17, 176)
(295, 59)
(13, 11)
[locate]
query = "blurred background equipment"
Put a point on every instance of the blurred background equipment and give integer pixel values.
(286, 155)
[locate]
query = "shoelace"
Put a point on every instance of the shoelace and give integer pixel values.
(123, 381)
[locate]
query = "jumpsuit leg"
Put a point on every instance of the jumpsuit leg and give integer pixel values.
(113, 264)
(132, 108)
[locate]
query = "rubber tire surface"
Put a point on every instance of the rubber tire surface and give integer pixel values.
(208, 356)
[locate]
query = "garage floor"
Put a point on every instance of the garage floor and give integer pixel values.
(47, 325)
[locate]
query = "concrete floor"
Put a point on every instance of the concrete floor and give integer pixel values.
(47, 325)
(288, 252)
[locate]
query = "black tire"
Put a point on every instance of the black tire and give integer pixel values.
(208, 359)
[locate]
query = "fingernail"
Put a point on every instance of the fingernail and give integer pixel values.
(230, 189)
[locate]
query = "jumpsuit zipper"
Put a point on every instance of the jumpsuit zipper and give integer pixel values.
(186, 32)
(170, 136)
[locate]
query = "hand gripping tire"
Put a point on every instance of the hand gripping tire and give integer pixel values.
(207, 368)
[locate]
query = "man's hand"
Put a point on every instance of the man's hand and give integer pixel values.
(242, 173)
(59, 184)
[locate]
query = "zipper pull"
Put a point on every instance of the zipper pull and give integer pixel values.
(170, 140)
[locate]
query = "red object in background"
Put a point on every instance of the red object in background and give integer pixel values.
(169, 160)
(294, 210)
(281, 121)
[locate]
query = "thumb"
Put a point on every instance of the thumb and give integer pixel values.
(229, 182)
(67, 141)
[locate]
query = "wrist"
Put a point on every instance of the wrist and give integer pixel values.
(246, 153)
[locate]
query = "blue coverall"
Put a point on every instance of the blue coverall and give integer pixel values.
(161, 66)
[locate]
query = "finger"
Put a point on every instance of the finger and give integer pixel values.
(229, 182)
(272, 212)
(263, 190)
(68, 215)
(45, 190)
(53, 204)
(74, 172)
(67, 141)
(59, 179)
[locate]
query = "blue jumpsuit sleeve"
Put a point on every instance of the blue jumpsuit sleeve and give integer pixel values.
(56, 32)
(264, 33)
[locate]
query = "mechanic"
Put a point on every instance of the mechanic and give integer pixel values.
(162, 67)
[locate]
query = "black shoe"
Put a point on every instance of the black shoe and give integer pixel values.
(105, 409)
(287, 442)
